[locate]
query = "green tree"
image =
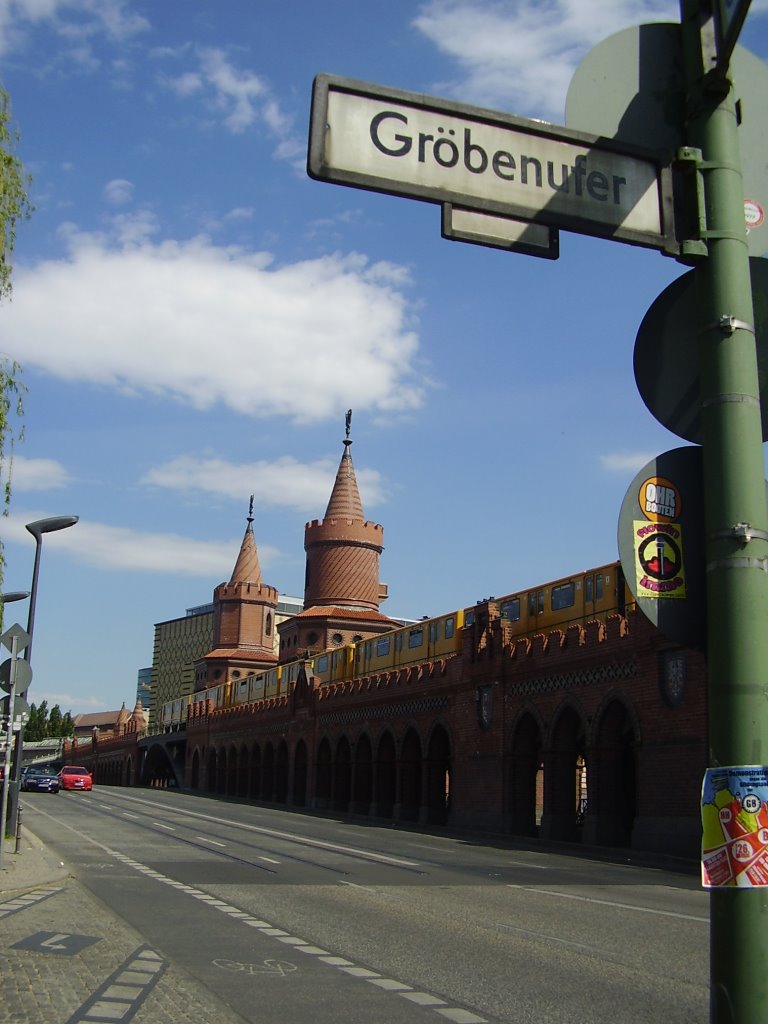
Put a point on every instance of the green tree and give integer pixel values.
(14, 207)
(54, 722)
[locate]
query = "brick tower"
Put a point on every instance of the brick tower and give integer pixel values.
(342, 591)
(244, 633)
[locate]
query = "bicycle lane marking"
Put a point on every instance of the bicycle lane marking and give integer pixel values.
(456, 1014)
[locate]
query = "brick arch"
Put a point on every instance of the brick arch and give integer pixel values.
(565, 773)
(230, 786)
(411, 762)
(268, 773)
(282, 761)
(243, 771)
(525, 773)
(362, 786)
(323, 774)
(385, 775)
(342, 774)
(612, 804)
(438, 774)
(194, 769)
(254, 786)
(300, 774)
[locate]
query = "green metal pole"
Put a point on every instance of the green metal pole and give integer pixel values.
(735, 514)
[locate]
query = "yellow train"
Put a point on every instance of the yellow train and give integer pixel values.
(571, 600)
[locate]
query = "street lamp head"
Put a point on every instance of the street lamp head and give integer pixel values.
(50, 525)
(14, 595)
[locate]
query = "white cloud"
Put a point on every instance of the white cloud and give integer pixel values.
(121, 548)
(36, 474)
(118, 191)
(212, 326)
(521, 54)
(78, 22)
(625, 462)
(241, 97)
(285, 482)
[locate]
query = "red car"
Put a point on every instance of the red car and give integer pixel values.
(74, 777)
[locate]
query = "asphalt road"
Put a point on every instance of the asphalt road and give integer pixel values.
(282, 915)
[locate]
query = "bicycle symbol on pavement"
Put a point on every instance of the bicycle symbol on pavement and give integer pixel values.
(280, 967)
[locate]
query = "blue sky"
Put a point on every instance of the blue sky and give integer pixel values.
(194, 316)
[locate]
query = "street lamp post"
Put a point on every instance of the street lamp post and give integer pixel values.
(16, 595)
(37, 529)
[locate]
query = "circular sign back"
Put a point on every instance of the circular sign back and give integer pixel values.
(666, 358)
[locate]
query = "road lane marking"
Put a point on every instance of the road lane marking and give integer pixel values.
(161, 825)
(608, 903)
(205, 839)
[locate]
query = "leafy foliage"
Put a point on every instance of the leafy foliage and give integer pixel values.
(14, 206)
(44, 725)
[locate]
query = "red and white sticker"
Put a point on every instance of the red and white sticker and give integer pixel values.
(754, 215)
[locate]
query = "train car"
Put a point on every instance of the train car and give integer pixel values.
(568, 601)
(174, 713)
(426, 640)
(335, 665)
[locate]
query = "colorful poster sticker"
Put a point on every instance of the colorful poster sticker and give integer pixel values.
(659, 569)
(734, 816)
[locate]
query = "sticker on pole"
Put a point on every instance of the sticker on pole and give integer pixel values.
(754, 215)
(734, 815)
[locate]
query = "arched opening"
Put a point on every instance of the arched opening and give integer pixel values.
(255, 784)
(300, 767)
(363, 788)
(410, 777)
(525, 778)
(438, 777)
(342, 783)
(323, 776)
(565, 789)
(386, 776)
(242, 771)
(268, 773)
(281, 773)
(194, 776)
(231, 782)
(613, 781)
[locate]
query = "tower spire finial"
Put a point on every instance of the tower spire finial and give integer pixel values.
(348, 427)
(250, 510)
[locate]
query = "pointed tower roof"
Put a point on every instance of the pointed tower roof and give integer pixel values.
(345, 502)
(247, 568)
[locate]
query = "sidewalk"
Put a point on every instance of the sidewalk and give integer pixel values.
(68, 959)
(32, 866)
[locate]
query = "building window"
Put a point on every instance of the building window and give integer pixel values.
(312, 638)
(268, 628)
(337, 638)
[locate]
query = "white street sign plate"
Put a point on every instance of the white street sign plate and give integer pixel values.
(425, 148)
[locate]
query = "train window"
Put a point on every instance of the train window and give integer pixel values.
(598, 586)
(449, 627)
(382, 645)
(532, 603)
(399, 642)
(536, 602)
(511, 609)
(432, 630)
(563, 596)
(416, 637)
(322, 663)
(469, 619)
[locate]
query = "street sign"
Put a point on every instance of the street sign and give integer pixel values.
(480, 228)
(631, 88)
(23, 675)
(661, 545)
(666, 356)
(407, 144)
(22, 638)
